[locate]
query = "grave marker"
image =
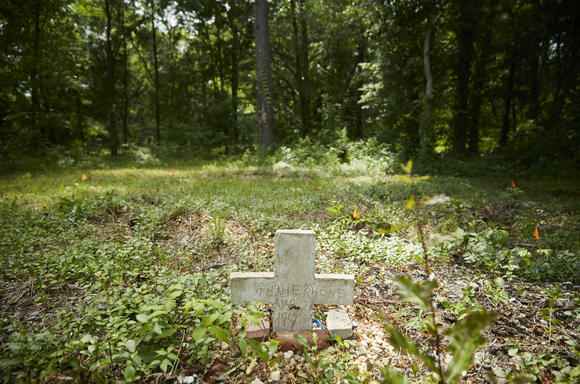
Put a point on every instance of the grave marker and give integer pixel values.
(293, 287)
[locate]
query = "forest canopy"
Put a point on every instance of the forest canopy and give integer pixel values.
(424, 77)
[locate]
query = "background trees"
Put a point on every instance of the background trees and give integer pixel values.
(461, 77)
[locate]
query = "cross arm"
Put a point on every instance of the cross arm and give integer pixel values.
(250, 287)
(333, 289)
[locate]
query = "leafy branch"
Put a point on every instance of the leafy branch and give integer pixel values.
(464, 337)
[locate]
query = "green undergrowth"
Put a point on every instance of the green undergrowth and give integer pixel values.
(119, 272)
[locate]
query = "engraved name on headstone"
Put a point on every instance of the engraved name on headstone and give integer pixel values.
(293, 287)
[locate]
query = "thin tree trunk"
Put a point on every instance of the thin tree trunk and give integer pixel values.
(535, 67)
(34, 73)
(235, 79)
(426, 135)
(505, 127)
(479, 77)
(265, 109)
(172, 79)
(358, 131)
(156, 74)
(80, 132)
(305, 67)
(465, 36)
(298, 64)
(112, 127)
(220, 57)
(125, 121)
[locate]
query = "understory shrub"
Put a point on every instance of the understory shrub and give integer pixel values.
(367, 157)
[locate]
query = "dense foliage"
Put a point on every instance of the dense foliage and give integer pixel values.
(422, 76)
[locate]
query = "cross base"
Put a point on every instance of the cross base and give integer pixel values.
(338, 323)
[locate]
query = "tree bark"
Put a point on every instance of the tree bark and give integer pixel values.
(505, 127)
(125, 118)
(301, 44)
(298, 63)
(426, 135)
(265, 109)
(534, 108)
(358, 129)
(235, 74)
(465, 37)
(112, 127)
(479, 79)
(220, 55)
(34, 73)
(156, 74)
(80, 132)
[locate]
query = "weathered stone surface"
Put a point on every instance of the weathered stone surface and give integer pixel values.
(248, 287)
(334, 289)
(338, 323)
(293, 287)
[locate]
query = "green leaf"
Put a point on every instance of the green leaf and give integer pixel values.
(465, 338)
(408, 168)
(418, 293)
(209, 320)
(129, 373)
(243, 346)
(131, 345)
(142, 318)
(392, 376)
(403, 343)
(87, 339)
(165, 364)
(198, 333)
(219, 333)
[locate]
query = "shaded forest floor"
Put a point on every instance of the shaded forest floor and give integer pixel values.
(121, 272)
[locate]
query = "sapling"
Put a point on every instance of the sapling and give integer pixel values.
(463, 337)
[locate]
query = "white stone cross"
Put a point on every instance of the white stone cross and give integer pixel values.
(293, 287)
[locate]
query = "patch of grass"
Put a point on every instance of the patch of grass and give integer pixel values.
(120, 271)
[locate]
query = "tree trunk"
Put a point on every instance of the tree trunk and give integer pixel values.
(172, 79)
(265, 109)
(426, 135)
(298, 64)
(465, 38)
(80, 132)
(156, 74)
(235, 78)
(112, 127)
(358, 131)
(34, 73)
(306, 68)
(505, 127)
(479, 79)
(534, 111)
(220, 56)
(125, 121)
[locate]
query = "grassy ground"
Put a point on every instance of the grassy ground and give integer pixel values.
(120, 273)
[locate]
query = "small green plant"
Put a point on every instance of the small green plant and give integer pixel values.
(548, 311)
(217, 231)
(464, 337)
